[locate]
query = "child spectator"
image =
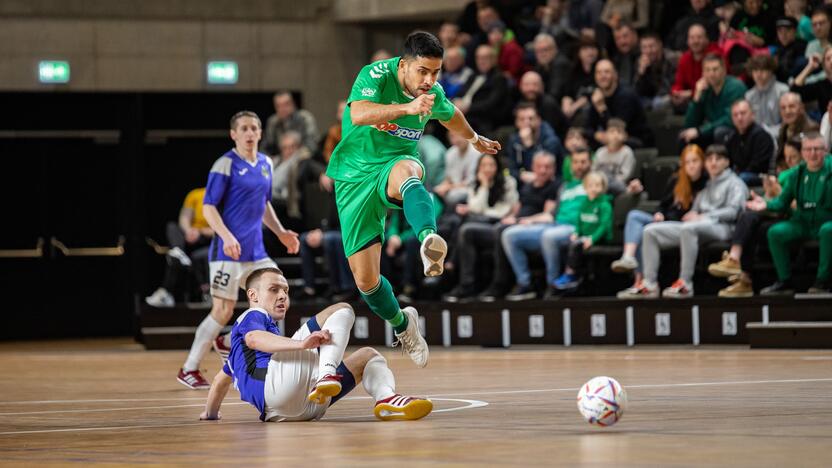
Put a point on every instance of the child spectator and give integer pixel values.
(616, 160)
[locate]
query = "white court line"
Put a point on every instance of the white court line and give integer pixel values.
(471, 405)
(105, 400)
(104, 410)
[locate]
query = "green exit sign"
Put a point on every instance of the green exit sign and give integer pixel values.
(53, 71)
(222, 72)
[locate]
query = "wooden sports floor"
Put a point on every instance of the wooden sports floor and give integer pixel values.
(111, 403)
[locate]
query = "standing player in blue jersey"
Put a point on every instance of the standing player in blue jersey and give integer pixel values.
(236, 205)
(298, 378)
(376, 167)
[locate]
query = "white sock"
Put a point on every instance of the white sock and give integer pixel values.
(205, 334)
(339, 325)
(378, 379)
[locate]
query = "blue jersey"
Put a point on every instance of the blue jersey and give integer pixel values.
(240, 191)
(248, 366)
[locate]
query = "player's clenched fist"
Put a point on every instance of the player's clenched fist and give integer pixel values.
(422, 105)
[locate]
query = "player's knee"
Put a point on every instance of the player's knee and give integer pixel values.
(366, 283)
(775, 233)
(369, 353)
(825, 229)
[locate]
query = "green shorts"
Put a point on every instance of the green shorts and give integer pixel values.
(362, 207)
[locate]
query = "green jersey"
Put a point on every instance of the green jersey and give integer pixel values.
(365, 149)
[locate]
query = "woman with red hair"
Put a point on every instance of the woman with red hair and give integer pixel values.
(678, 197)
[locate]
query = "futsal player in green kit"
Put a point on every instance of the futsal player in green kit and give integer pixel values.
(376, 167)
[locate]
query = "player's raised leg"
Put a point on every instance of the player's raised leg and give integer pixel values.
(338, 319)
(370, 368)
(405, 183)
(378, 294)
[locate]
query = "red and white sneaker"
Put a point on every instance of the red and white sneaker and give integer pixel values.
(327, 387)
(678, 290)
(193, 380)
(221, 348)
(640, 290)
(399, 407)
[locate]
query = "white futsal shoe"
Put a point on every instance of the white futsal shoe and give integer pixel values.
(433, 252)
(411, 340)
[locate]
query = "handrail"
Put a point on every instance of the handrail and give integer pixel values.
(37, 252)
(116, 251)
(159, 249)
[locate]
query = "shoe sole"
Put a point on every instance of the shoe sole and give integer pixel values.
(416, 409)
(735, 295)
(434, 251)
(621, 269)
(521, 297)
(721, 272)
(323, 391)
(206, 387)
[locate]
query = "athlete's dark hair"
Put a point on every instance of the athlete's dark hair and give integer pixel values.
(255, 276)
(422, 44)
(240, 115)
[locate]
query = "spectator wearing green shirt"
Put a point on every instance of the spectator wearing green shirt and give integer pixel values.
(708, 118)
(594, 226)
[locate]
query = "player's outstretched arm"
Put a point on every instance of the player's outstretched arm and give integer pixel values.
(268, 342)
(287, 237)
(459, 125)
(219, 388)
(371, 113)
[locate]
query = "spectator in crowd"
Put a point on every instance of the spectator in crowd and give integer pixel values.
(448, 35)
(826, 126)
(532, 135)
(712, 217)
(432, 154)
(738, 262)
(583, 16)
(750, 146)
(555, 22)
(796, 10)
(700, 12)
(402, 245)
(625, 54)
(188, 239)
(285, 176)
(765, 95)
(708, 117)
(819, 91)
(455, 74)
(333, 135)
(535, 198)
(820, 27)
(491, 197)
(615, 159)
(689, 70)
(509, 52)
(552, 65)
(326, 241)
(617, 12)
(794, 122)
(460, 171)
(486, 15)
(610, 100)
(790, 53)
(380, 54)
(807, 185)
(530, 89)
(288, 117)
(581, 83)
(676, 200)
(594, 227)
(756, 22)
(655, 72)
(547, 232)
(484, 98)
(575, 141)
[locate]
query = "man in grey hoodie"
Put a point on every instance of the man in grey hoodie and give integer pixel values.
(712, 217)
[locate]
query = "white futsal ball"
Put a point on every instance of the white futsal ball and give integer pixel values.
(602, 401)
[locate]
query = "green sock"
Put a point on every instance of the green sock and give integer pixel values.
(384, 304)
(418, 207)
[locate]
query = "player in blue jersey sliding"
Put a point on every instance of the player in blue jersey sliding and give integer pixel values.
(236, 205)
(376, 167)
(298, 378)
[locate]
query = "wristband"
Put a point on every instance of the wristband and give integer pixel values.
(474, 139)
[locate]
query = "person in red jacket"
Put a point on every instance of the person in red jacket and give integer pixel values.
(690, 66)
(509, 52)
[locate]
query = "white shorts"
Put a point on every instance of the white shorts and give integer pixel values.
(227, 276)
(289, 379)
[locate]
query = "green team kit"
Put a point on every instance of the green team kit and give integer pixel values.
(362, 161)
